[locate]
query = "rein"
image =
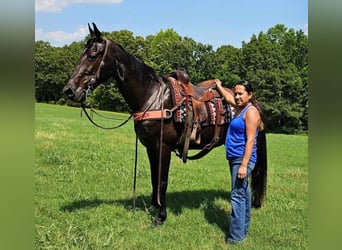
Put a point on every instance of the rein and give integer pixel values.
(160, 142)
(99, 126)
(136, 144)
(137, 117)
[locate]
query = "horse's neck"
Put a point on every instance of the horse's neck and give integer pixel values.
(140, 94)
(137, 82)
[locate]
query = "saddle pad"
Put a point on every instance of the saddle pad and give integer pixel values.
(214, 108)
(225, 116)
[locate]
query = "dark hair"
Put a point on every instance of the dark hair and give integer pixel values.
(246, 84)
(254, 102)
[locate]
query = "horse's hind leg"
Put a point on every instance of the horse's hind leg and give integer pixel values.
(159, 182)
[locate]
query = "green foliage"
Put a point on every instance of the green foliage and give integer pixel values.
(108, 97)
(166, 50)
(84, 181)
(53, 66)
(228, 62)
(275, 62)
(269, 63)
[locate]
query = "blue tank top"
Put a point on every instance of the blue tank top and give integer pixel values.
(236, 137)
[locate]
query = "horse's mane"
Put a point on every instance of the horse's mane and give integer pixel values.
(147, 73)
(139, 65)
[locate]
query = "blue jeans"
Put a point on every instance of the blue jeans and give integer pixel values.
(240, 202)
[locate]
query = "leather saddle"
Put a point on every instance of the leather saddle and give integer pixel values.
(202, 92)
(202, 101)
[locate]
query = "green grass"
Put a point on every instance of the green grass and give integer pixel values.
(84, 183)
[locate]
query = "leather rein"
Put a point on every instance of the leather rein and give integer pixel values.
(100, 126)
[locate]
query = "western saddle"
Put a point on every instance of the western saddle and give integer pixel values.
(195, 106)
(203, 105)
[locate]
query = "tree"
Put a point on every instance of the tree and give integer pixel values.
(276, 79)
(228, 61)
(164, 51)
(40, 63)
(107, 97)
(53, 66)
(203, 67)
(168, 51)
(275, 62)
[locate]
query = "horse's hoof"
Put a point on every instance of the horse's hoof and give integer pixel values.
(158, 222)
(151, 210)
(256, 205)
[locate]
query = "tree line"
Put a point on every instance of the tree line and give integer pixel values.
(275, 62)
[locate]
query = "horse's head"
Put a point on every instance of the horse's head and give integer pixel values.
(91, 68)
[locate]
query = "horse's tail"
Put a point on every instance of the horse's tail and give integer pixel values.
(259, 173)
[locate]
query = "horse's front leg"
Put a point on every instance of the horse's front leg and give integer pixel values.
(159, 180)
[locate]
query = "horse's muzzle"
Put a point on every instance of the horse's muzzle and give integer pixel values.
(78, 95)
(69, 92)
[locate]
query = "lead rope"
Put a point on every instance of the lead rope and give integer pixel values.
(160, 151)
(160, 142)
(135, 171)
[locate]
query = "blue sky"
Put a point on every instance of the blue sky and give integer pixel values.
(214, 22)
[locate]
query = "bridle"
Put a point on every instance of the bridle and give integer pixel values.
(95, 77)
(90, 86)
(92, 81)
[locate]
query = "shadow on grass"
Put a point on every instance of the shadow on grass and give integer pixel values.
(176, 202)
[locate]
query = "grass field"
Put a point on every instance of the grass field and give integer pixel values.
(84, 183)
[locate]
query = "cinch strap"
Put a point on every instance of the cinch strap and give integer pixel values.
(152, 115)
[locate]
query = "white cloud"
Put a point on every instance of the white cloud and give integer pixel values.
(60, 38)
(59, 5)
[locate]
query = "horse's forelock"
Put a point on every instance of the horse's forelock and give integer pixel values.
(90, 42)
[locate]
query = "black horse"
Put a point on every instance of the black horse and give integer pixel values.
(152, 96)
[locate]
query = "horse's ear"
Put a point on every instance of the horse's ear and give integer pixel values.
(96, 31)
(90, 31)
